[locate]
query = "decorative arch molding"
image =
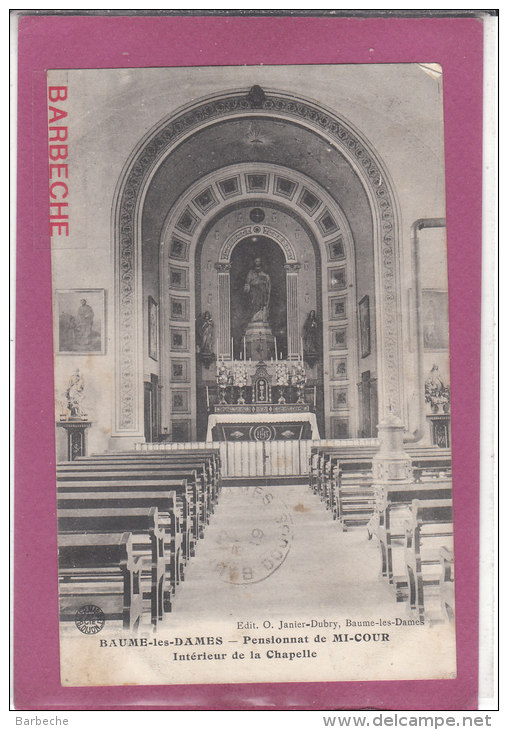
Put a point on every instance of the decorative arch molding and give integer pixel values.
(198, 219)
(129, 198)
(234, 238)
(321, 221)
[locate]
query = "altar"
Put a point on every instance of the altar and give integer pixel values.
(261, 401)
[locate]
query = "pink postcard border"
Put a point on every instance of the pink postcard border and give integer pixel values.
(127, 42)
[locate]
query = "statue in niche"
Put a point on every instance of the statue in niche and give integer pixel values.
(74, 394)
(204, 336)
(311, 330)
(205, 330)
(257, 286)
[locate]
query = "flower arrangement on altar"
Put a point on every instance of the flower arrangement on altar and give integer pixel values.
(299, 375)
(281, 374)
(240, 375)
(222, 374)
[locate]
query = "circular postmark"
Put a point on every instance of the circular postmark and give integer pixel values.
(259, 539)
(90, 619)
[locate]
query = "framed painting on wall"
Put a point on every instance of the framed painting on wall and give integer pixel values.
(80, 321)
(364, 315)
(153, 329)
(435, 320)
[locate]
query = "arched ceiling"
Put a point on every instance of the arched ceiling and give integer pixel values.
(262, 140)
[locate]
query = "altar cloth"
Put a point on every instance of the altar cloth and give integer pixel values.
(257, 418)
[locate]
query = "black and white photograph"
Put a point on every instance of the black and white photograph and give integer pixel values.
(256, 485)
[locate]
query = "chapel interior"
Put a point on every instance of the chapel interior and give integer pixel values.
(278, 309)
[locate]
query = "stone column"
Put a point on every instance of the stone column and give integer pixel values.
(224, 323)
(391, 465)
(293, 324)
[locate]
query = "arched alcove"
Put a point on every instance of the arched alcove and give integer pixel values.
(315, 238)
(272, 260)
(346, 204)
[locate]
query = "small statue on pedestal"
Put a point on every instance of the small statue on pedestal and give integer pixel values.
(437, 394)
(74, 394)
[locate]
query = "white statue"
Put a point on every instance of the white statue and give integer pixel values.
(74, 394)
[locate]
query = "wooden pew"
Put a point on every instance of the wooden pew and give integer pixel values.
(186, 509)
(352, 498)
(200, 471)
(314, 467)
(341, 475)
(447, 583)
(210, 455)
(427, 532)
(393, 509)
(210, 452)
(429, 460)
(145, 478)
(324, 478)
(327, 461)
(100, 569)
(164, 501)
(182, 513)
(148, 540)
(317, 473)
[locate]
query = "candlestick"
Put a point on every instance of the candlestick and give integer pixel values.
(275, 343)
(232, 353)
(244, 349)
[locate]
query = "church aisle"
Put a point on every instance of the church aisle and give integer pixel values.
(325, 570)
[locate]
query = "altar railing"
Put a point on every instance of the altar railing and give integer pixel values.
(255, 459)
